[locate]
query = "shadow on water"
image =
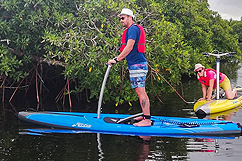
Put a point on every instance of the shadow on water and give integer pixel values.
(16, 145)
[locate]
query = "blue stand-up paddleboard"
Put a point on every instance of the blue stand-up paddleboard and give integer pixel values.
(110, 124)
(123, 124)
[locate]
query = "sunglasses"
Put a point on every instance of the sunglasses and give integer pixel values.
(199, 71)
(121, 18)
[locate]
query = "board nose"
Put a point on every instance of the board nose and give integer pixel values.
(200, 114)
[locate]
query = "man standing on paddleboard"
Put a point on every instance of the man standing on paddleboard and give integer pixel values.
(133, 48)
(207, 78)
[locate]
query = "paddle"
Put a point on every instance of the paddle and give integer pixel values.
(101, 97)
(102, 90)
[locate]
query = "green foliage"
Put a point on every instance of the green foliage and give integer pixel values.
(171, 48)
(84, 35)
(9, 65)
(237, 29)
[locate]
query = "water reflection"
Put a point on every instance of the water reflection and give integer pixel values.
(144, 148)
(169, 149)
(203, 145)
(99, 146)
(208, 144)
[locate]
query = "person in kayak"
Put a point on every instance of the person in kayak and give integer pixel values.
(133, 48)
(207, 78)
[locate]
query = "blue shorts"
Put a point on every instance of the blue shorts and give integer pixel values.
(137, 74)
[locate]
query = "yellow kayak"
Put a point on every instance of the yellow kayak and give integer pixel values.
(203, 107)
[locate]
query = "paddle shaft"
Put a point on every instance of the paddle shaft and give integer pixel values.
(217, 73)
(102, 90)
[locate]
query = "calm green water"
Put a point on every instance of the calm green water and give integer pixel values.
(15, 144)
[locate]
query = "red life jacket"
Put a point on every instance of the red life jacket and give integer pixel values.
(141, 43)
(205, 80)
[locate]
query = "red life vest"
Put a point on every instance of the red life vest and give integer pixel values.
(205, 80)
(141, 43)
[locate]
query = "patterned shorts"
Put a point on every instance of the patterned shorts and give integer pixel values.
(137, 74)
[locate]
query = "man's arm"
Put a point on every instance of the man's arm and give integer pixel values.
(210, 89)
(129, 46)
(204, 90)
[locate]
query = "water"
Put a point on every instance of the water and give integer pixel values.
(15, 144)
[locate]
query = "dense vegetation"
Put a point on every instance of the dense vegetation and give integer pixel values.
(81, 35)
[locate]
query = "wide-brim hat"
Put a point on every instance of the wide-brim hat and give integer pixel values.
(197, 66)
(126, 11)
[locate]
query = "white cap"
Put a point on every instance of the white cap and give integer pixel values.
(126, 11)
(198, 66)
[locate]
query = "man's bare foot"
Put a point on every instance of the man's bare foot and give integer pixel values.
(145, 122)
(139, 118)
(235, 94)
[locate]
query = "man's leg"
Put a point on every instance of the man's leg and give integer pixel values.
(145, 105)
(230, 94)
(226, 85)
